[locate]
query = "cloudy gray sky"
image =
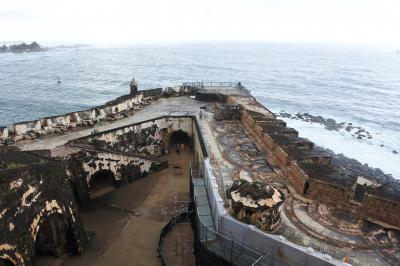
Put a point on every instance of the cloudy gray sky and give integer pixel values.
(110, 22)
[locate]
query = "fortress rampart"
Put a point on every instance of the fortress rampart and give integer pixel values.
(119, 108)
(311, 174)
(58, 124)
(128, 152)
(40, 192)
(36, 194)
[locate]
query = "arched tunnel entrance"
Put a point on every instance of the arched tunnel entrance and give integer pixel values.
(102, 182)
(179, 140)
(54, 237)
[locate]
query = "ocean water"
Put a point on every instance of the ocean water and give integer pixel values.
(357, 85)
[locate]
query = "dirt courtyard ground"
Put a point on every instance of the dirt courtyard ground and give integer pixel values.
(128, 220)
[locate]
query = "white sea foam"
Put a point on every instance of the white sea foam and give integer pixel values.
(365, 151)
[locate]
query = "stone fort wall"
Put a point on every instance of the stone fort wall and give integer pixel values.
(33, 188)
(116, 109)
(379, 209)
(129, 152)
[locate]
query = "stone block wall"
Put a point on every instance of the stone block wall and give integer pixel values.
(298, 176)
(199, 147)
(281, 159)
(295, 175)
(152, 93)
(84, 165)
(380, 209)
(291, 169)
(328, 192)
(255, 118)
(178, 91)
(31, 190)
(56, 124)
(145, 139)
(112, 110)
(373, 208)
(128, 152)
(227, 112)
(3, 132)
(211, 97)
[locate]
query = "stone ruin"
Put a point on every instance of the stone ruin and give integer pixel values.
(38, 211)
(40, 194)
(256, 203)
(227, 112)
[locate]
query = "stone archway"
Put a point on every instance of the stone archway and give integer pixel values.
(179, 137)
(101, 182)
(54, 237)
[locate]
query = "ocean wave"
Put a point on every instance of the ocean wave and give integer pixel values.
(367, 152)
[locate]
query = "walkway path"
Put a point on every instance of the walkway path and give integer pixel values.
(164, 106)
(222, 169)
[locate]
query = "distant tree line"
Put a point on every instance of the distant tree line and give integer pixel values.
(23, 47)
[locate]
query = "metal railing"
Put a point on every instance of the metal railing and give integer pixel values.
(225, 247)
(179, 217)
(202, 84)
(227, 88)
(230, 250)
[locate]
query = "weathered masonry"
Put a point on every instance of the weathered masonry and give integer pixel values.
(121, 107)
(38, 212)
(261, 194)
(43, 191)
(311, 172)
(256, 203)
(39, 193)
(88, 167)
(127, 153)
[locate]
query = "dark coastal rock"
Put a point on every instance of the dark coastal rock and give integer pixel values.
(353, 168)
(330, 124)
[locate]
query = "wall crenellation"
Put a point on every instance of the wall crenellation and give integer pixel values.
(311, 172)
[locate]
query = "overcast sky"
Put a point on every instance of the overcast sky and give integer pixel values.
(110, 22)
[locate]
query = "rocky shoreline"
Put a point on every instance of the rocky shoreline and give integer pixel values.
(351, 169)
(330, 124)
(357, 168)
(356, 132)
